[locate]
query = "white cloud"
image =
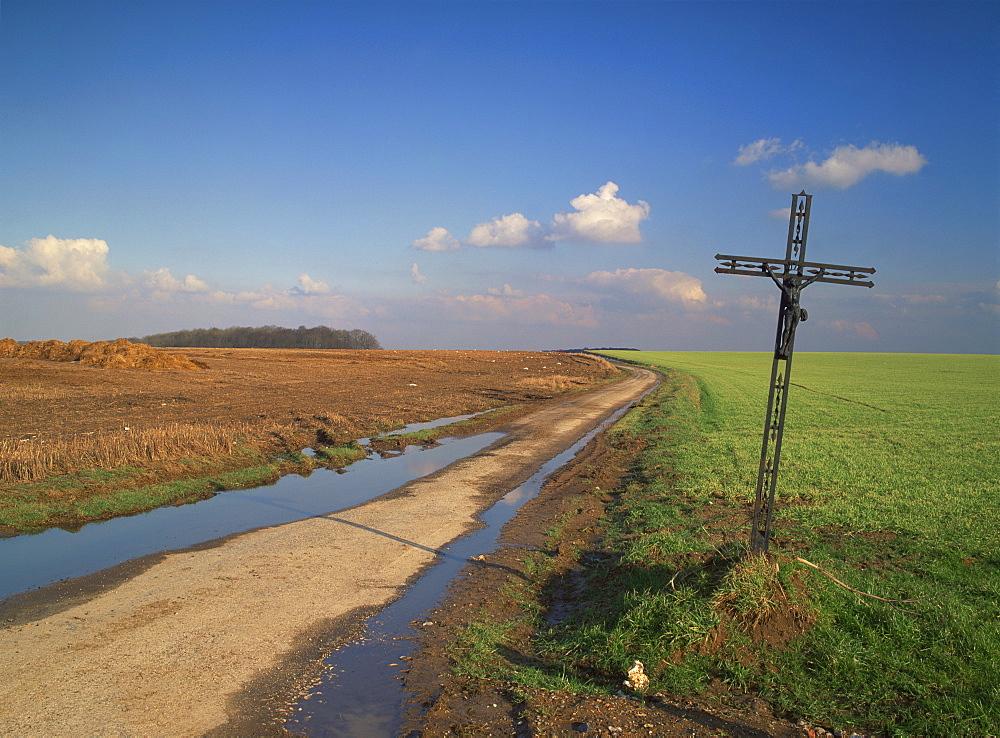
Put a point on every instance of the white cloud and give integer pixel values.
(162, 280)
(602, 217)
(267, 297)
(763, 149)
(415, 274)
(509, 231)
(848, 165)
(309, 286)
(437, 239)
(81, 265)
(507, 290)
(73, 263)
(657, 285)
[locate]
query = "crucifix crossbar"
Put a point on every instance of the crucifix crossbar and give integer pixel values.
(833, 273)
(791, 274)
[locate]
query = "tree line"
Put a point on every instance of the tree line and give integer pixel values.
(268, 336)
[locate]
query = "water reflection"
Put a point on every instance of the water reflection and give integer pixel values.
(361, 693)
(31, 561)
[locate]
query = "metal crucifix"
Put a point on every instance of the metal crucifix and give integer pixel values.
(792, 275)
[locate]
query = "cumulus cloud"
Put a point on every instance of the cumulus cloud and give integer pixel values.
(763, 149)
(508, 231)
(602, 217)
(308, 295)
(415, 274)
(268, 297)
(71, 263)
(848, 165)
(437, 239)
(653, 285)
(309, 286)
(81, 264)
(161, 280)
(844, 167)
(506, 290)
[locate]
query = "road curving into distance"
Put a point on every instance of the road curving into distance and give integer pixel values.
(181, 646)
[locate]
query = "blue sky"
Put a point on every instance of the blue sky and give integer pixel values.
(499, 174)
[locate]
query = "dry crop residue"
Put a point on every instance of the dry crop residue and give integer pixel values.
(271, 401)
(286, 395)
(118, 354)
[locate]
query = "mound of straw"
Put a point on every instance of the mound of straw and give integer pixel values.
(119, 354)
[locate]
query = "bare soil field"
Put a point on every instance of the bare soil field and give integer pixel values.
(71, 412)
(281, 394)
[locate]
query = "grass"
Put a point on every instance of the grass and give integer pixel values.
(67, 481)
(71, 500)
(340, 455)
(888, 483)
(70, 480)
(482, 649)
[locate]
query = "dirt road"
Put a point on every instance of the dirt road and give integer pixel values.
(179, 647)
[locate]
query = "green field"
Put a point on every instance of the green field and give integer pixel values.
(889, 483)
(902, 442)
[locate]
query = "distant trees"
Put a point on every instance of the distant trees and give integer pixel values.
(268, 336)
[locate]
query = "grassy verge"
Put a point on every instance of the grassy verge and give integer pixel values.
(71, 500)
(888, 483)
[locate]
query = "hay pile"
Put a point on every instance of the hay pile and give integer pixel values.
(119, 354)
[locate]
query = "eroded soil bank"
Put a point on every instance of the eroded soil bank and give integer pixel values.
(207, 640)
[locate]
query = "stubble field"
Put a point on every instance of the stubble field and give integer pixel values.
(85, 442)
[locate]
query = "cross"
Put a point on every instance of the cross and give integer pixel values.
(792, 275)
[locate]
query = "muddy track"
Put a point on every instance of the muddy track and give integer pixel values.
(444, 703)
(219, 639)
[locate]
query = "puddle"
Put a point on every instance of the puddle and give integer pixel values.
(416, 427)
(31, 561)
(361, 693)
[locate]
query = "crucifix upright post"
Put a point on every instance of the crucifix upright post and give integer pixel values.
(791, 274)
